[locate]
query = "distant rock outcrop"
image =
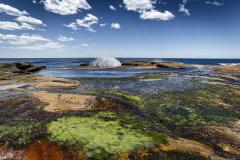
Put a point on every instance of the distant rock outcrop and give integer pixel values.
(234, 69)
(174, 65)
(20, 67)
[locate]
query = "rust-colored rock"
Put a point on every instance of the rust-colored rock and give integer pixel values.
(44, 150)
(174, 65)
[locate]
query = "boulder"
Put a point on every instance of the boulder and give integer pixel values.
(84, 65)
(35, 69)
(23, 65)
(20, 67)
(9, 67)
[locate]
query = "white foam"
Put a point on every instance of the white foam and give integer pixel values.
(229, 64)
(105, 62)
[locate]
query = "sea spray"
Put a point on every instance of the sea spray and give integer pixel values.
(105, 62)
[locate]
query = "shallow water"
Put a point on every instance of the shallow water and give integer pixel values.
(141, 86)
(13, 86)
(113, 73)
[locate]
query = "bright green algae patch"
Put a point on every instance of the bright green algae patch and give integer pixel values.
(213, 106)
(105, 135)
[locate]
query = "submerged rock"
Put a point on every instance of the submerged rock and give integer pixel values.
(105, 62)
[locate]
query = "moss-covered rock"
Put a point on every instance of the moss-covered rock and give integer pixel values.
(19, 132)
(213, 106)
(105, 135)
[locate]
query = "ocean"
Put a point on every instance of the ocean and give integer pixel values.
(61, 67)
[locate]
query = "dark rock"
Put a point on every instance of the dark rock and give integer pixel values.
(9, 67)
(23, 65)
(20, 67)
(135, 63)
(35, 68)
(84, 65)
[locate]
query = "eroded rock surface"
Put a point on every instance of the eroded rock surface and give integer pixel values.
(72, 102)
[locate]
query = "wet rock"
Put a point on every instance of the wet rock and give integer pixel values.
(9, 67)
(84, 65)
(174, 65)
(141, 64)
(222, 138)
(23, 65)
(135, 63)
(234, 69)
(20, 67)
(35, 68)
(190, 146)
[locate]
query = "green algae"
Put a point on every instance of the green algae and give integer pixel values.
(105, 135)
(125, 95)
(18, 132)
(213, 106)
(121, 94)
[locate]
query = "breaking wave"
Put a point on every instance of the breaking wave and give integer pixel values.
(105, 62)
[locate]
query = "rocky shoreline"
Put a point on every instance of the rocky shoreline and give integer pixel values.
(44, 118)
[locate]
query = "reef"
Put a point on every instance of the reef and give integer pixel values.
(165, 116)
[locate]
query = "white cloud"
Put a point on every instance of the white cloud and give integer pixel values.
(138, 5)
(88, 45)
(28, 42)
(6, 25)
(154, 14)
(87, 22)
(65, 39)
(22, 39)
(29, 20)
(115, 26)
(182, 8)
(66, 7)
(44, 46)
(215, 3)
(112, 8)
(147, 10)
(103, 24)
(26, 21)
(34, 1)
(11, 10)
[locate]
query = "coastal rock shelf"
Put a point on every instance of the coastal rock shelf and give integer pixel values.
(180, 113)
(72, 102)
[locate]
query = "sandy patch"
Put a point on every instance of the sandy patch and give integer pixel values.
(190, 146)
(73, 102)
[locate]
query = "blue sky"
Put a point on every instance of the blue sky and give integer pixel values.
(120, 28)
